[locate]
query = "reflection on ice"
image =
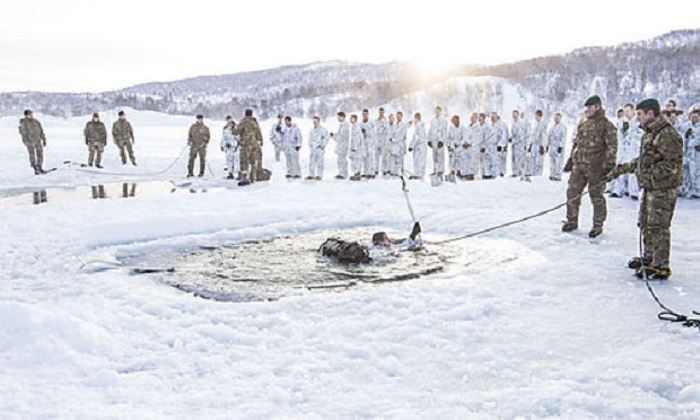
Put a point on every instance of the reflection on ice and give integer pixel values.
(96, 192)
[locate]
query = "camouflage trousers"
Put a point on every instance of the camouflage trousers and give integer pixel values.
(124, 148)
(249, 160)
(655, 215)
(594, 180)
(36, 154)
(201, 151)
(95, 150)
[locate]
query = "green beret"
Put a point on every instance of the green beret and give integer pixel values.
(648, 103)
(593, 100)
(200, 117)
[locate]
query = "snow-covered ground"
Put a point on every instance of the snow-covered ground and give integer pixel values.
(546, 324)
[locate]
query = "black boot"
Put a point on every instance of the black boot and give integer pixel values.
(636, 263)
(654, 273)
(595, 232)
(569, 227)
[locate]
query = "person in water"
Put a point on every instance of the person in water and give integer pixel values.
(354, 253)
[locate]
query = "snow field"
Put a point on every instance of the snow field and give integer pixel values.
(540, 324)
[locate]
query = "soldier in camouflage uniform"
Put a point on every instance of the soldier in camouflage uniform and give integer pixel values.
(659, 169)
(96, 140)
(593, 156)
(198, 140)
(34, 140)
(123, 135)
(251, 139)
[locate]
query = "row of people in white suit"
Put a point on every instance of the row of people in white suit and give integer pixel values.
(378, 146)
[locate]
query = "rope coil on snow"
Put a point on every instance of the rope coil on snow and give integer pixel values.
(666, 314)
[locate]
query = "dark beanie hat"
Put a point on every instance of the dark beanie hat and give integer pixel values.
(648, 103)
(593, 100)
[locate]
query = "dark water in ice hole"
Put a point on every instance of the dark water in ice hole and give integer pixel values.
(269, 269)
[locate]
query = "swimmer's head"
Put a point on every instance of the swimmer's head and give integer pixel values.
(381, 239)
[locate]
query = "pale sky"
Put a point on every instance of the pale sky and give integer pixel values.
(93, 45)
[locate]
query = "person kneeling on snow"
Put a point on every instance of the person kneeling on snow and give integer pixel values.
(353, 253)
(231, 145)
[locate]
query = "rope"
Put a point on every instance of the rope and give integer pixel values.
(666, 314)
(162, 172)
(521, 220)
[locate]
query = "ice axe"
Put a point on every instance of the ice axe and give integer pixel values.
(404, 188)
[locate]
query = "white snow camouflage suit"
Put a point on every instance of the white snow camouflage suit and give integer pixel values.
(437, 134)
(397, 146)
(231, 145)
(420, 149)
(318, 140)
(556, 142)
(342, 147)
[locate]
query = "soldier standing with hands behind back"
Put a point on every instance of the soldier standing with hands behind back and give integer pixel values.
(251, 141)
(123, 135)
(659, 169)
(34, 140)
(593, 156)
(96, 140)
(198, 140)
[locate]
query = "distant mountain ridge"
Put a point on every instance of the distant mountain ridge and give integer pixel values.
(664, 67)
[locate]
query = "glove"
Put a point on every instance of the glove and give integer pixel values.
(222, 148)
(529, 148)
(416, 231)
(410, 149)
(430, 144)
(569, 166)
(625, 126)
(44, 143)
(364, 131)
(87, 141)
(510, 140)
(542, 150)
(297, 148)
(278, 128)
(440, 144)
(466, 146)
(499, 149)
(614, 173)
(332, 135)
(688, 133)
(559, 150)
(609, 167)
(483, 150)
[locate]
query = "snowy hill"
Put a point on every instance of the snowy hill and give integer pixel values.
(664, 67)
